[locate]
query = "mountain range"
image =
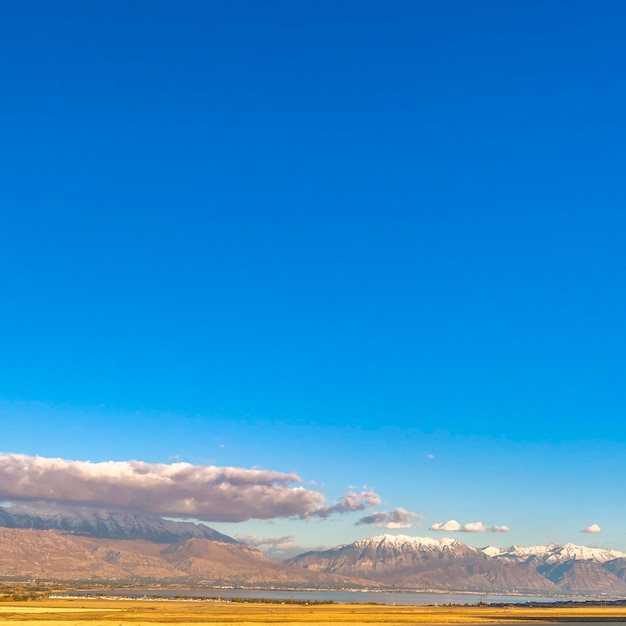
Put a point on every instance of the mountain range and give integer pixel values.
(422, 562)
(64, 544)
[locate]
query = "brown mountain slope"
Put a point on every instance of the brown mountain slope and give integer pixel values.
(584, 576)
(383, 562)
(219, 562)
(617, 567)
(53, 555)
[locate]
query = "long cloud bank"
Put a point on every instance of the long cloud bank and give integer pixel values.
(210, 493)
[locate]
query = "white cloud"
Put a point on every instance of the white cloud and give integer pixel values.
(470, 527)
(594, 528)
(474, 527)
(209, 493)
(499, 529)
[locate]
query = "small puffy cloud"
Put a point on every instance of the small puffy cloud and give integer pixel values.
(473, 527)
(209, 493)
(470, 527)
(392, 520)
(449, 526)
(594, 528)
(498, 529)
(430, 457)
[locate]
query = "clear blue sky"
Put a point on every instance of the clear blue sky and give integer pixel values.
(377, 244)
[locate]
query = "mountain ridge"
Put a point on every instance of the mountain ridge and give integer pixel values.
(106, 524)
(554, 553)
(62, 543)
(448, 564)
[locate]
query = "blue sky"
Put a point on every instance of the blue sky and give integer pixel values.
(377, 245)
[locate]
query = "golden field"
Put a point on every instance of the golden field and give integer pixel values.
(63, 612)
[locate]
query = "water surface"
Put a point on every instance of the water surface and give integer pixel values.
(342, 597)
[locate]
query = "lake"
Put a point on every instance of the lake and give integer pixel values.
(339, 597)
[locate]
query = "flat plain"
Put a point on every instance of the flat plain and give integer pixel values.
(63, 612)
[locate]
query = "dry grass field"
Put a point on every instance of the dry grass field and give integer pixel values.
(165, 613)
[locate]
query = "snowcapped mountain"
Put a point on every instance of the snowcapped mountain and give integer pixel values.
(74, 544)
(379, 549)
(404, 542)
(572, 552)
(491, 551)
(422, 562)
(553, 553)
(570, 567)
(406, 562)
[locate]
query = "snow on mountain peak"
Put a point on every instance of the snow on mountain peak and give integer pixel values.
(553, 553)
(550, 553)
(491, 550)
(422, 541)
(571, 551)
(413, 542)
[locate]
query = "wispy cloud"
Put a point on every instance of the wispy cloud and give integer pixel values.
(392, 520)
(471, 527)
(278, 547)
(348, 503)
(210, 493)
(275, 545)
(374, 518)
(594, 528)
